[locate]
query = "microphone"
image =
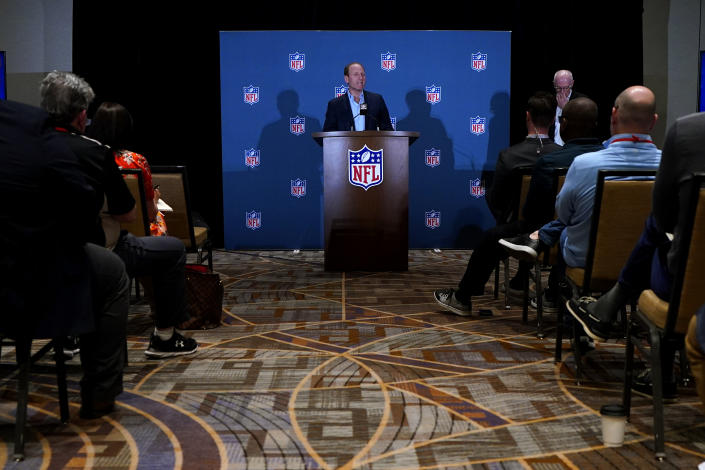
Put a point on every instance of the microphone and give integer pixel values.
(363, 112)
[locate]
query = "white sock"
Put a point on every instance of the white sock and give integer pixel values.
(164, 333)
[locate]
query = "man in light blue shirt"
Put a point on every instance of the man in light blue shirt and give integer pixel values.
(630, 147)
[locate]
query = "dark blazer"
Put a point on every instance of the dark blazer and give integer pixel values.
(339, 115)
(45, 215)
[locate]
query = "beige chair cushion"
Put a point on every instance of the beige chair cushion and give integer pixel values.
(201, 235)
(576, 275)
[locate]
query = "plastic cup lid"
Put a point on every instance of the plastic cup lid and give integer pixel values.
(613, 410)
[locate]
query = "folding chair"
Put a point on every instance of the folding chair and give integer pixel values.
(622, 204)
(668, 321)
(174, 186)
(135, 183)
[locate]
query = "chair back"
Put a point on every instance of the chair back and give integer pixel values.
(622, 204)
(688, 292)
(173, 185)
(524, 179)
(135, 183)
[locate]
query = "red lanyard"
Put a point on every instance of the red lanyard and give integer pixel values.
(633, 138)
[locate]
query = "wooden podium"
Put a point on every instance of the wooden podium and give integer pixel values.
(366, 203)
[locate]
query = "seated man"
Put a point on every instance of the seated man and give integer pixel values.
(66, 97)
(53, 283)
(630, 147)
(652, 262)
(539, 115)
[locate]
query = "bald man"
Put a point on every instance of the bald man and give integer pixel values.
(629, 148)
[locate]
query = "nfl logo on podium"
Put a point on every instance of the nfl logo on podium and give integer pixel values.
(297, 61)
(433, 157)
(253, 220)
(394, 122)
(477, 190)
(433, 219)
(297, 125)
(340, 90)
(298, 187)
(477, 125)
(433, 94)
(252, 158)
(365, 167)
(250, 94)
(479, 61)
(389, 61)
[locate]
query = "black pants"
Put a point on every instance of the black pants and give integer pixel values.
(103, 351)
(484, 259)
(162, 259)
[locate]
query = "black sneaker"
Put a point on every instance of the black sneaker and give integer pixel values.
(71, 347)
(177, 345)
(642, 384)
(594, 328)
(522, 247)
(446, 299)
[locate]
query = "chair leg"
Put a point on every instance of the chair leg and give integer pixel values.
(496, 280)
(22, 351)
(505, 261)
(577, 353)
(539, 301)
(61, 379)
(558, 355)
(628, 372)
(657, 395)
(525, 308)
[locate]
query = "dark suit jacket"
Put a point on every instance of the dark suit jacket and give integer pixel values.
(682, 155)
(46, 213)
(339, 115)
(503, 195)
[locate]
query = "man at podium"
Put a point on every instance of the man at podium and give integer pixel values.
(357, 110)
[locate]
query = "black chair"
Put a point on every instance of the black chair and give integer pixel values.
(668, 321)
(23, 348)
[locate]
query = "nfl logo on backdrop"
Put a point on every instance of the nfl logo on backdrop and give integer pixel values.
(394, 122)
(297, 125)
(433, 157)
(298, 187)
(340, 90)
(250, 94)
(477, 190)
(252, 158)
(433, 94)
(389, 61)
(477, 125)
(253, 220)
(365, 167)
(297, 61)
(479, 61)
(433, 219)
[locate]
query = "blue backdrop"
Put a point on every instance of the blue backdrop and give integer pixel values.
(451, 86)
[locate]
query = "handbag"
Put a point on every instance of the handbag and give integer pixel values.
(204, 298)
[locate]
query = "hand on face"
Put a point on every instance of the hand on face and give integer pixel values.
(562, 98)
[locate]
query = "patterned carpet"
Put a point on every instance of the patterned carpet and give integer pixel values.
(353, 371)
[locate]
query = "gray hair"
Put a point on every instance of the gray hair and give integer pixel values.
(64, 95)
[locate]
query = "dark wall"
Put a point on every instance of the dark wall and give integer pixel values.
(162, 61)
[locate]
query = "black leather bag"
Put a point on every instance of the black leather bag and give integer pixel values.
(204, 298)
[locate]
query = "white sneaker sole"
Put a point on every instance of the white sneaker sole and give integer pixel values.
(450, 308)
(161, 354)
(522, 252)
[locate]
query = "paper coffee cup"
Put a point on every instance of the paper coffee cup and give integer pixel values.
(614, 419)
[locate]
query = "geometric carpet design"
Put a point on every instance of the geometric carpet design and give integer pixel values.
(318, 370)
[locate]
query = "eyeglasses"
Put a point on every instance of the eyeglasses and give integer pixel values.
(562, 88)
